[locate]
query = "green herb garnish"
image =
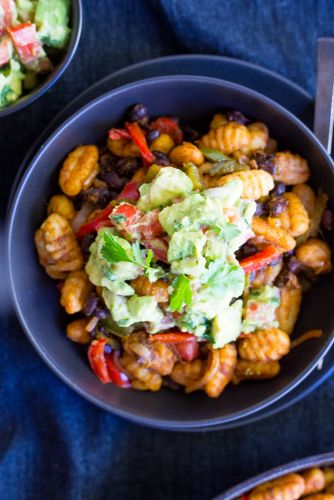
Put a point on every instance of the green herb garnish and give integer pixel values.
(227, 231)
(182, 294)
(118, 218)
(112, 251)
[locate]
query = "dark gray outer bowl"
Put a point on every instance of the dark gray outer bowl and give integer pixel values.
(324, 460)
(36, 297)
(53, 77)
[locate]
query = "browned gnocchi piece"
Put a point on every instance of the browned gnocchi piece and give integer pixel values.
(277, 236)
(298, 216)
(288, 310)
(321, 496)
(256, 183)
(227, 138)
(76, 331)
(123, 147)
(227, 363)
(329, 476)
(264, 345)
(255, 370)
(79, 170)
(62, 205)
(217, 120)
(157, 356)
(57, 247)
(290, 168)
(142, 378)
(314, 480)
(315, 254)
(287, 487)
(307, 197)
(259, 136)
(75, 291)
(187, 372)
(158, 289)
(185, 153)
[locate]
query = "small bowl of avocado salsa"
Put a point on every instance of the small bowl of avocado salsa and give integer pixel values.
(38, 39)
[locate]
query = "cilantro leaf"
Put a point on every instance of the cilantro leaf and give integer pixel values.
(227, 231)
(149, 258)
(154, 273)
(223, 276)
(118, 218)
(112, 251)
(137, 255)
(182, 294)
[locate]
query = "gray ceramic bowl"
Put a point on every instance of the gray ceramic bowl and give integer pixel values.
(53, 77)
(325, 460)
(36, 296)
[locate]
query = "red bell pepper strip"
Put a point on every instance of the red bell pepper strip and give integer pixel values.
(129, 192)
(138, 137)
(118, 133)
(101, 220)
(149, 225)
(97, 360)
(260, 259)
(168, 126)
(118, 377)
(188, 350)
(26, 42)
(6, 50)
(173, 337)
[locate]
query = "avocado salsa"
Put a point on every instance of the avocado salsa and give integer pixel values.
(33, 34)
(182, 254)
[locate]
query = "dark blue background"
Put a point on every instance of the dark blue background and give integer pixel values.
(55, 445)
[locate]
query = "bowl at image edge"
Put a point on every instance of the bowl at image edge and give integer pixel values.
(36, 297)
(53, 77)
(324, 460)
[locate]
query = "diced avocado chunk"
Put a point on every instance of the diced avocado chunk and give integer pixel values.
(260, 308)
(26, 9)
(185, 244)
(11, 78)
(226, 326)
(52, 19)
(169, 183)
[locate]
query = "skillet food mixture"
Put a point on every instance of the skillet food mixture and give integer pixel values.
(33, 36)
(313, 483)
(184, 255)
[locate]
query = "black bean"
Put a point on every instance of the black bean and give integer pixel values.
(236, 116)
(327, 220)
(107, 348)
(107, 162)
(152, 135)
(265, 161)
(97, 195)
(126, 166)
(161, 158)
(189, 133)
(276, 205)
(282, 279)
(86, 242)
(113, 180)
(91, 304)
(101, 313)
(246, 250)
(279, 188)
(292, 264)
(260, 208)
(139, 114)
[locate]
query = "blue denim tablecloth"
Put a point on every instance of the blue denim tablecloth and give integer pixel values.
(55, 445)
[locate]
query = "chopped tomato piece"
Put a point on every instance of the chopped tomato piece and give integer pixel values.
(6, 50)
(118, 133)
(125, 213)
(138, 137)
(118, 377)
(26, 42)
(168, 126)
(129, 192)
(102, 220)
(260, 259)
(188, 350)
(97, 360)
(159, 248)
(173, 337)
(149, 225)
